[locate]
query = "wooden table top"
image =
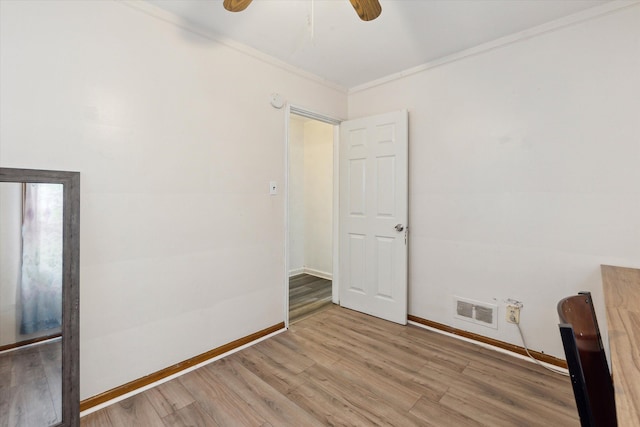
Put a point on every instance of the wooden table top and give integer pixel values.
(622, 300)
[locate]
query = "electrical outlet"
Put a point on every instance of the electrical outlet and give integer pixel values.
(513, 314)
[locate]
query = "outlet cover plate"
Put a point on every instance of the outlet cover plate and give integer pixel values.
(513, 314)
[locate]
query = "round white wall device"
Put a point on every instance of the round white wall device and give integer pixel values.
(276, 101)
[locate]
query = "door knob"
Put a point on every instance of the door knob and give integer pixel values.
(399, 227)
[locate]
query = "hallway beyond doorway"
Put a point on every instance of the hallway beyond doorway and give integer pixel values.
(308, 295)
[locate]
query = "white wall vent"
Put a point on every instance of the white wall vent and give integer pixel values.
(480, 313)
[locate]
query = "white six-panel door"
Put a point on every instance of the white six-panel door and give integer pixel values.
(373, 215)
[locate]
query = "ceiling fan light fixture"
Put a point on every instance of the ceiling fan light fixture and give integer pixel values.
(367, 10)
(236, 5)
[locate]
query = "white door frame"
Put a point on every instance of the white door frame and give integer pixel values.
(335, 282)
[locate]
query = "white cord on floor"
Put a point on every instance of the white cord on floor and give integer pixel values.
(524, 344)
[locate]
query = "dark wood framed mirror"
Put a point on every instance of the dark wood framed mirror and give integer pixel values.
(39, 301)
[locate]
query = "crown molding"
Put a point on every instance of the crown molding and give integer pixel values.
(163, 15)
(586, 15)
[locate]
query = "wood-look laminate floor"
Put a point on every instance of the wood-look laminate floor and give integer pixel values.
(308, 295)
(340, 367)
(31, 385)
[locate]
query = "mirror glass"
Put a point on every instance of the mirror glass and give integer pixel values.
(39, 299)
(31, 229)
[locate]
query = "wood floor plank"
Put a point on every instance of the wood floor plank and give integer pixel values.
(320, 314)
(352, 317)
(390, 389)
(97, 419)
(470, 406)
(134, 411)
(275, 374)
(304, 280)
(526, 386)
(299, 345)
(27, 405)
(6, 364)
(484, 356)
(503, 411)
(189, 416)
(396, 342)
(361, 398)
(30, 385)
(348, 338)
(222, 404)
(318, 288)
(274, 406)
(316, 349)
(308, 308)
(502, 398)
(51, 359)
(169, 397)
(340, 367)
(327, 408)
(436, 415)
(406, 377)
(26, 366)
(308, 295)
(296, 362)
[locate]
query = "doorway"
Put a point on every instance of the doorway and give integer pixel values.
(369, 212)
(311, 206)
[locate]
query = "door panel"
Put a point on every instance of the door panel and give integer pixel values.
(357, 257)
(357, 176)
(373, 200)
(385, 183)
(384, 267)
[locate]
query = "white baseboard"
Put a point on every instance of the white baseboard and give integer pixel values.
(296, 271)
(311, 272)
(490, 347)
(177, 374)
(318, 273)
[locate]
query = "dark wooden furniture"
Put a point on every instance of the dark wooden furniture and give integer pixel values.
(587, 362)
(622, 300)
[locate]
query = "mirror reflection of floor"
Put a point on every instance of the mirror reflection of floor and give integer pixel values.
(31, 385)
(308, 295)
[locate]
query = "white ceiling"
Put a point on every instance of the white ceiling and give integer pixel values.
(333, 43)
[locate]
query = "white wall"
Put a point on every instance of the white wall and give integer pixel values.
(318, 207)
(524, 172)
(310, 197)
(181, 244)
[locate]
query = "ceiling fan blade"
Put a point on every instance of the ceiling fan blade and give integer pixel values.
(367, 10)
(236, 5)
